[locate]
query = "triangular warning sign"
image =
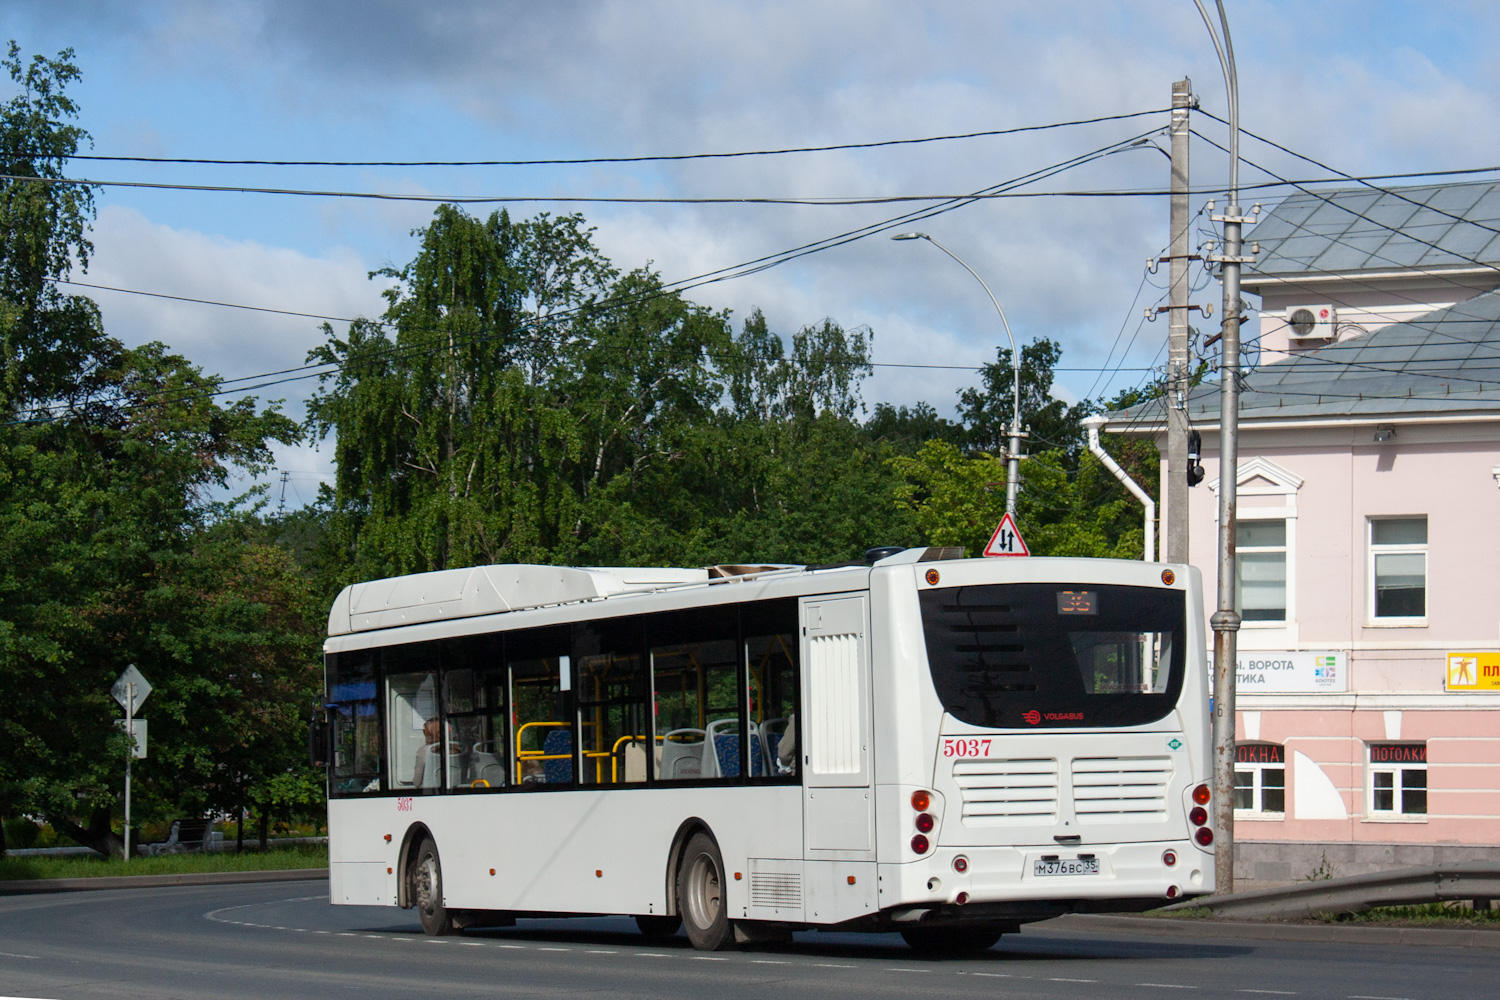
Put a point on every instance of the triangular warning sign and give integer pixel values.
(1007, 540)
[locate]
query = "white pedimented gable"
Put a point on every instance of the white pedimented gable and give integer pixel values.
(1263, 477)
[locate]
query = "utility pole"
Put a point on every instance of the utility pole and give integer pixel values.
(1177, 337)
(1226, 620)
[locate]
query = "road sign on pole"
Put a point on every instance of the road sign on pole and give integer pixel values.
(130, 689)
(1007, 540)
(130, 679)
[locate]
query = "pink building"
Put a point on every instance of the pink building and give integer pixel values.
(1368, 708)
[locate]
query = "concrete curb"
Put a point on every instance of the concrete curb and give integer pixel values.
(23, 887)
(1440, 937)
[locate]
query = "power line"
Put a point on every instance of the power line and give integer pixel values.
(577, 161)
(722, 274)
(1365, 181)
(828, 201)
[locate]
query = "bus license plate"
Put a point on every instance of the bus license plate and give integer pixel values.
(1066, 866)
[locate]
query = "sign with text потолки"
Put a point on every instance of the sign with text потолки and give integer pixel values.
(1472, 672)
(1291, 673)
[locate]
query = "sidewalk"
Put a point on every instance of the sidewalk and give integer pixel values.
(1257, 930)
(24, 887)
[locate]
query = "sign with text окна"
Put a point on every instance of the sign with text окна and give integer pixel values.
(1291, 673)
(1473, 672)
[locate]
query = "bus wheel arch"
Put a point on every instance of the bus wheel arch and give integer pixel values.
(415, 834)
(685, 832)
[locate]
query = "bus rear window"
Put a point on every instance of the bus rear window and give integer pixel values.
(1036, 655)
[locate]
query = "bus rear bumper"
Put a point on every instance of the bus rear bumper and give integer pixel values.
(1137, 872)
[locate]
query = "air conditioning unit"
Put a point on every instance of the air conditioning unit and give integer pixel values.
(1312, 323)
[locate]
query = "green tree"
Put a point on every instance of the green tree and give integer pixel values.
(1051, 423)
(109, 462)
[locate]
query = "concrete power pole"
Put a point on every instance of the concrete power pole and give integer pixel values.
(1177, 337)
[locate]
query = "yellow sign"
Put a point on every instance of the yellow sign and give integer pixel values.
(1473, 672)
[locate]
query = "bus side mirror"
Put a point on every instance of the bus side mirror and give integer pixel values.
(319, 735)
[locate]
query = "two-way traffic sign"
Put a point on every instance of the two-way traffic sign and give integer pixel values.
(1007, 540)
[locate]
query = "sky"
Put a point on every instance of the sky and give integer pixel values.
(1366, 88)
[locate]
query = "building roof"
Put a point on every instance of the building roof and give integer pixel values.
(1352, 230)
(1444, 362)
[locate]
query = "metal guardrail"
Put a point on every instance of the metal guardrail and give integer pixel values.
(1476, 880)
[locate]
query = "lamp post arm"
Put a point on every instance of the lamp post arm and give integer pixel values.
(1015, 357)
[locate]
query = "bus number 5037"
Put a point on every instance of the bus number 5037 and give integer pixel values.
(960, 747)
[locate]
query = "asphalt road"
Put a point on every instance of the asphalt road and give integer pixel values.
(284, 940)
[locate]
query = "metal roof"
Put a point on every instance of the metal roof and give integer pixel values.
(1428, 227)
(1446, 361)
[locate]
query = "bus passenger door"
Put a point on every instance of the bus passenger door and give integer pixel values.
(838, 800)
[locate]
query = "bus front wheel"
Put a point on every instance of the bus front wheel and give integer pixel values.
(425, 890)
(700, 895)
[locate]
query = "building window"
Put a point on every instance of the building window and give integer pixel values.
(1259, 778)
(1398, 567)
(1260, 570)
(1398, 779)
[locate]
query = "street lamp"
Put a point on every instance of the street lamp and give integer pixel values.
(1013, 465)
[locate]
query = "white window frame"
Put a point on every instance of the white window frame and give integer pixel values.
(1395, 769)
(1372, 550)
(1280, 484)
(1253, 514)
(1257, 770)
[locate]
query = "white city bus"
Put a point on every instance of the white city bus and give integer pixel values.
(943, 747)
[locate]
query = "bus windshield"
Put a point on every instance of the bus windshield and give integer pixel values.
(1044, 655)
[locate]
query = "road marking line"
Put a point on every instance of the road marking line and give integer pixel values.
(11, 954)
(767, 961)
(1280, 993)
(993, 975)
(473, 944)
(649, 954)
(1355, 996)
(554, 949)
(1059, 980)
(600, 951)
(520, 946)
(1168, 986)
(708, 958)
(824, 965)
(347, 934)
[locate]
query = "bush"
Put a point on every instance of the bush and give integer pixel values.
(21, 833)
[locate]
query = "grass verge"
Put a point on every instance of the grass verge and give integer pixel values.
(301, 856)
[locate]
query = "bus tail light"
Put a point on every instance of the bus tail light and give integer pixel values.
(1173, 892)
(924, 822)
(1201, 795)
(919, 844)
(921, 800)
(1204, 836)
(1198, 815)
(960, 864)
(961, 898)
(1169, 858)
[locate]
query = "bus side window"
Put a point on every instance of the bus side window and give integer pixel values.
(474, 709)
(611, 692)
(696, 694)
(773, 687)
(413, 739)
(356, 722)
(541, 707)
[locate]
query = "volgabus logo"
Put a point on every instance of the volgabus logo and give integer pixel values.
(1032, 717)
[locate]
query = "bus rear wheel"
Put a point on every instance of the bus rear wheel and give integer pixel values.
(700, 894)
(961, 941)
(425, 890)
